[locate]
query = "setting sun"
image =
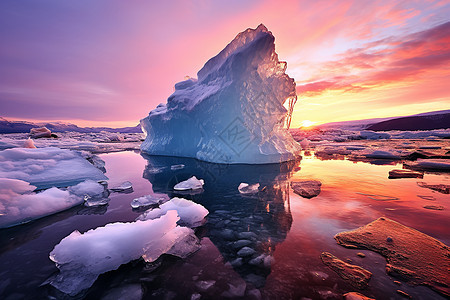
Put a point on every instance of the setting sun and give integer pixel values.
(307, 123)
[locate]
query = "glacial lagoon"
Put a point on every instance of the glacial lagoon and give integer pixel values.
(265, 245)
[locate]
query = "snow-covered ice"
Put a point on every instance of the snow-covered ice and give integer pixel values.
(82, 257)
(191, 184)
(191, 214)
(245, 188)
(47, 167)
(18, 203)
(233, 113)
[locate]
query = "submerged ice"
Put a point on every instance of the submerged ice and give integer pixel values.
(233, 112)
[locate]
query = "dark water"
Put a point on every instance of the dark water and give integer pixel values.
(286, 232)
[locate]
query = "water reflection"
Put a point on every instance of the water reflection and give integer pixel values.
(245, 228)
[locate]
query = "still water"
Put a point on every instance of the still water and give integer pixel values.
(286, 232)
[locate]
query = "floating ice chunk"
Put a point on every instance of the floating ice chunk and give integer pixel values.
(87, 187)
(149, 200)
(233, 113)
(81, 258)
(191, 214)
(47, 167)
(430, 165)
(42, 132)
(123, 187)
(29, 144)
(383, 154)
(245, 188)
(18, 205)
(191, 184)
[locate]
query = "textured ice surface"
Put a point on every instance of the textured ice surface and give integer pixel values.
(233, 113)
(47, 167)
(81, 258)
(149, 200)
(191, 214)
(18, 204)
(191, 184)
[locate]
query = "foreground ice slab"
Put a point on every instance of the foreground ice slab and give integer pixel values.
(47, 167)
(233, 113)
(81, 258)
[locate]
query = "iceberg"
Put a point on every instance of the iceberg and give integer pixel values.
(233, 113)
(47, 167)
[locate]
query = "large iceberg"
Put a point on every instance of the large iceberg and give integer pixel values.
(233, 112)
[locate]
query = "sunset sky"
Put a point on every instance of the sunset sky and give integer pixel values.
(108, 63)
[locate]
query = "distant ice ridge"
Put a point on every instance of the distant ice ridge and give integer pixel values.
(233, 113)
(47, 167)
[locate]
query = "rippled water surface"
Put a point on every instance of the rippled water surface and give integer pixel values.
(286, 233)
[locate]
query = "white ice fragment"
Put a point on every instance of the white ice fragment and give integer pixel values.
(81, 258)
(245, 188)
(47, 167)
(19, 205)
(191, 214)
(149, 200)
(191, 184)
(42, 132)
(123, 187)
(234, 113)
(28, 144)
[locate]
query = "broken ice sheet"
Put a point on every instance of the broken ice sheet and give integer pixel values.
(82, 257)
